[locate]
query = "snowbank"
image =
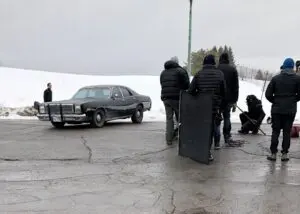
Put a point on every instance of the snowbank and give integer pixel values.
(20, 88)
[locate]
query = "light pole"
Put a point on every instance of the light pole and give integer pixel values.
(190, 39)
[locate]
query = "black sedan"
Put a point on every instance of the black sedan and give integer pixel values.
(96, 105)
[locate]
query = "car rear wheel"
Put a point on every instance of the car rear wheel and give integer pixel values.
(98, 119)
(58, 125)
(138, 115)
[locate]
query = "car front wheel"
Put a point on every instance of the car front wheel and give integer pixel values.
(98, 119)
(138, 115)
(58, 125)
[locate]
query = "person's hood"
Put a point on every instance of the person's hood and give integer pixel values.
(224, 58)
(288, 71)
(171, 64)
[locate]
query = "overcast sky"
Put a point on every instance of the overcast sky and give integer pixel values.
(138, 36)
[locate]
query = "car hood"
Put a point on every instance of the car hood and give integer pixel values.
(74, 101)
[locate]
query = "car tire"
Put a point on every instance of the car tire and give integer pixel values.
(58, 125)
(138, 115)
(98, 119)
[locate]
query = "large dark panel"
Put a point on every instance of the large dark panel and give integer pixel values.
(195, 126)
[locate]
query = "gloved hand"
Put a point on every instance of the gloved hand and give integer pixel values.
(254, 122)
(234, 107)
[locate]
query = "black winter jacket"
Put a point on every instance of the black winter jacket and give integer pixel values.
(48, 95)
(283, 92)
(172, 80)
(232, 81)
(210, 80)
(255, 109)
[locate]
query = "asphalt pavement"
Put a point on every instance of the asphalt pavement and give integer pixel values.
(127, 168)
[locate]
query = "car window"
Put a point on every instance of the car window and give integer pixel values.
(125, 92)
(116, 92)
(93, 93)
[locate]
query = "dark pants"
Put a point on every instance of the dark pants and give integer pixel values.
(227, 122)
(247, 125)
(217, 134)
(171, 107)
(284, 122)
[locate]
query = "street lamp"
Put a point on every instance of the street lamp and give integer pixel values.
(190, 39)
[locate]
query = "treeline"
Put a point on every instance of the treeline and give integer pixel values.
(197, 58)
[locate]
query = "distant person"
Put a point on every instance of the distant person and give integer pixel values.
(48, 93)
(298, 67)
(232, 95)
(283, 92)
(172, 80)
(210, 79)
(252, 119)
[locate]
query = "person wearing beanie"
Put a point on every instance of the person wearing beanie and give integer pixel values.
(232, 82)
(210, 79)
(283, 92)
(173, 79)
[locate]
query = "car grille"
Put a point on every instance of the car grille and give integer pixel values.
(54, 109)
(67, 108)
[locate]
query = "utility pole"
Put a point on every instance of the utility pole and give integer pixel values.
(190, 39)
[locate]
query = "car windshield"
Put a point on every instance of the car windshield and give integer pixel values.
(99, 93)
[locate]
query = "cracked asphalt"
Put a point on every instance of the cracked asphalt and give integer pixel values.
(127, 168)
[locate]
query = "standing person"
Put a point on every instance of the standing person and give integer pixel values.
(172, 80)
(210, 79)
(232, 94)
(48, 93)
(283, 92)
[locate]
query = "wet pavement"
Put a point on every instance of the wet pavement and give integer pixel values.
(127, 168)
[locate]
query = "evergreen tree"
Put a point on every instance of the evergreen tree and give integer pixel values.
(231, 57)
(259, 75)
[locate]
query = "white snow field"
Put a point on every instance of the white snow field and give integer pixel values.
(20, 88)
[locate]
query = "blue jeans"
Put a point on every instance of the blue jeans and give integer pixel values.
(217, 134)
(227, 122)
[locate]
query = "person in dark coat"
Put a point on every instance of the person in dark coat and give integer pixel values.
(211, 79)
(48, 93)
(232, 94)
(283, 92)
(252, 119)
(172, 80)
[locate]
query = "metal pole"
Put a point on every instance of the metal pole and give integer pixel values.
(190, 39)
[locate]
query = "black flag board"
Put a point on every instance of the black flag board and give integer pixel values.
(195, 116)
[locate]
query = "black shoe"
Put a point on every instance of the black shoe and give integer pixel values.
(217, 146)
(285, 157)
(255, 132)
(169, 143)
(272, 157)
(243, 132)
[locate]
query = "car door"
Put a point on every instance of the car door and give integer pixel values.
(130, 101)
(118, 107)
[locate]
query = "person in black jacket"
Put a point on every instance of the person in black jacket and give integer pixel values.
(48, 93)
(172, 80)
(210, 79)
(283, 92)
(252, 119)
(232, 93)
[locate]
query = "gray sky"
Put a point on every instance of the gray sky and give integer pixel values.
(137, 36)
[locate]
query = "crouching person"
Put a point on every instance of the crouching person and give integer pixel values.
(252, 119)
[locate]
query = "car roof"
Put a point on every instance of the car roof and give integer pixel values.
(103, 86)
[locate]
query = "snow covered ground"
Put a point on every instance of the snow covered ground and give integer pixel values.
(20, 88)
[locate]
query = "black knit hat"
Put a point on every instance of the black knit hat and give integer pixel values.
(209, 60)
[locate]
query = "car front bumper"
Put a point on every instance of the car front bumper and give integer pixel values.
(63, 118)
